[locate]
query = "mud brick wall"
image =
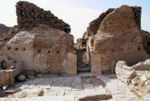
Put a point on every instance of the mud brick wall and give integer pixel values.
(30, 16)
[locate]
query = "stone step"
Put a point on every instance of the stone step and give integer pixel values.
(83, 70)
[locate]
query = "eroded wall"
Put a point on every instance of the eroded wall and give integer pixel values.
(42, 44)
(30, 16)
(43, 50)
(116, 35)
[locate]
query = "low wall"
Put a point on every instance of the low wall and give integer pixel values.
(124, 72)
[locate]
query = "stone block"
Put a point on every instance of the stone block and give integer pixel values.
(96, 64)
(7, 77)
(71, 64)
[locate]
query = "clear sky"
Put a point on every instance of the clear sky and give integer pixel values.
(77, 13)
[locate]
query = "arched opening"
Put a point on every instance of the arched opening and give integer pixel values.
(4, 64)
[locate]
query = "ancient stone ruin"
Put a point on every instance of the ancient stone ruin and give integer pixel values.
(41, 44)
(115, 35)
(136, 77)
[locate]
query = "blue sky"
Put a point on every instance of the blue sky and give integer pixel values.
(78, 13)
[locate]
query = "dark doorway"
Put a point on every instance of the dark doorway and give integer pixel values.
(82, 62)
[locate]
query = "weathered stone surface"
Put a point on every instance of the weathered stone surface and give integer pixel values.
(8, 70)
(41, 42)
(142, 65)
(116, 35)
(81, 44)
(71, 64)
(7, 63)
(118, 89)
(96, 64)
(10, 91)
(124, 72)
(94, 25)
(146, 41)
(21, 78)
(30, 16)
(59, 86)
(137, 77)
(7, 77)
(4, 38)
(42, 50)
(96, 97)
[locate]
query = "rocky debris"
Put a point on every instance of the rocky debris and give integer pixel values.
(4, 38)
(37, 92)
(7, 63)
(3, 29)
(118, 89)
(21, 78)
(30, 93)
(8, 70)
(30, 16)
(124, 72)
(10, 91)
(81, 44)
(42, 50)
(96, 97)
(137, 77)
(140, 86)
(142, 65)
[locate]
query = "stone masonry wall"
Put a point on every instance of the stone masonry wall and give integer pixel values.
(43, 50)
(119, 38)
(30, 16)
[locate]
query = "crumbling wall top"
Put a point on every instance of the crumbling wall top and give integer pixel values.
(30, 16)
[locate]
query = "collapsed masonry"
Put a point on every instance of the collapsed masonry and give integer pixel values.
(137, 77)
(115, 35)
